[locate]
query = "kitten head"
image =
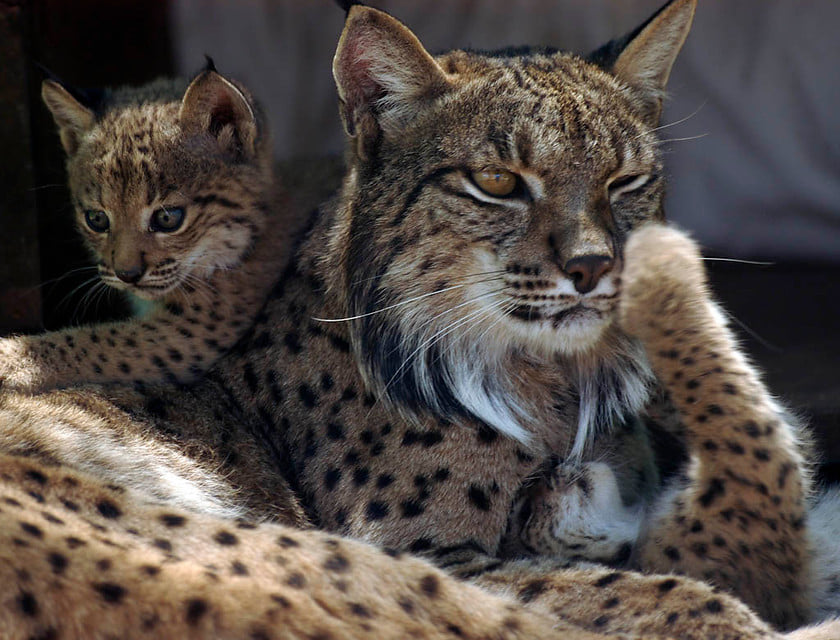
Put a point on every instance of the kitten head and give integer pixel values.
(488, 200)
(168, 180)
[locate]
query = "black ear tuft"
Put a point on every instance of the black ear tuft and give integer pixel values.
(644, 57)
(346, 4)
(92, 98)
(209, 65)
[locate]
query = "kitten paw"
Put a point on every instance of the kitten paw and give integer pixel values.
(578, 514)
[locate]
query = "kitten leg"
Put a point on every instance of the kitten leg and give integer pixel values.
(172, 344)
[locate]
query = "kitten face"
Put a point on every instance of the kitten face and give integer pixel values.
(162, 204)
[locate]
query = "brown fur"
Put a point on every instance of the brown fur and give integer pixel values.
(410, 464)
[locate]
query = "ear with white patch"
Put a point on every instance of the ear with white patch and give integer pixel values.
(72, 117)
(214, 105)
(383, 74)
(644, 58)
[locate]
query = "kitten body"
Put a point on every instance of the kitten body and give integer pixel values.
(173, 192)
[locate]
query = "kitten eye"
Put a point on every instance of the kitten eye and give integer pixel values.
(97, 220)
(496, 182)
(628, 183)
(167, 220)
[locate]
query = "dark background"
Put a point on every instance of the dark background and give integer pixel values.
(757, 80)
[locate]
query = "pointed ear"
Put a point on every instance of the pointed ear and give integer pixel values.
(216, 106)
(645, 60)
(71, 116)
(383, 74)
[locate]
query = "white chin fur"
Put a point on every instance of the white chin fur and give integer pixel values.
(612, 384)
(575, 336)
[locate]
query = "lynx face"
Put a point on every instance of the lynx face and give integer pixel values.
(491, 195)
(531, 170)
(145, 181)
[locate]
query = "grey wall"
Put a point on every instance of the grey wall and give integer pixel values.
(757, 77)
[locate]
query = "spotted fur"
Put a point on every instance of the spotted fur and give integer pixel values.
(201, 149)
(416, 463)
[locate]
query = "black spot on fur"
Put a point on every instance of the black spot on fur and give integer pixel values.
(287, 543)
(331, 478)
(225, 538)
(194, 610)
(430, 585)
(735, 448)
(672, 553)
(479, 498)
(296, 580)
(420, 545)
(337, 563)
(608, 579)
(307, 396)
(601, 621)
(714, 606)
(28, 604)
(58, 562)
(412, 508)
(292, 342)
(37, 476)
(714, 490)
(108, 509)
(667, 585)
(335, 431)
(532, 590)
(163, 545)
(173, 520)
(110, 592)
(376, 510)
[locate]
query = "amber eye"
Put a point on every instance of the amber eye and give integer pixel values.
(496, 182)
(97, 220)
(167, 219)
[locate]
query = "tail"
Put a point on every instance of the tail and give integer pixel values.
(824, 530)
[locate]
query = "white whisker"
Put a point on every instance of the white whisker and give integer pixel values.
(740, 261)
(666, 140)
(401, 303)
(410, 271)
(676, 122)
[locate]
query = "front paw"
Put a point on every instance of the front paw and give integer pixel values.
(663, 279)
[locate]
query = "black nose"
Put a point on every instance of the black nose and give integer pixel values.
(129, 275)
(586, 271)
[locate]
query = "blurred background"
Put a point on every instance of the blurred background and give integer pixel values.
(753, 152)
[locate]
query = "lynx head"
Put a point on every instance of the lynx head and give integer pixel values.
(488, 200)
(168, 181)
